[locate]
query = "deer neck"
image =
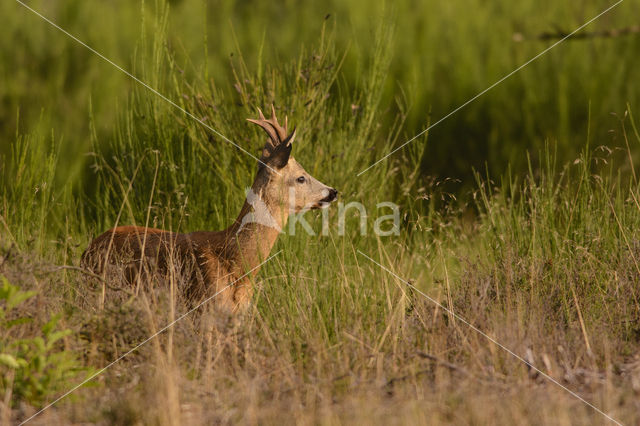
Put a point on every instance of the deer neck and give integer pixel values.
(255, 231)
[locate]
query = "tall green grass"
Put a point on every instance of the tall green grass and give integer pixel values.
(441, 55)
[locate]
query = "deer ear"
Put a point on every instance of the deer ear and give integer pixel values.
(280, 156)
(289, 140)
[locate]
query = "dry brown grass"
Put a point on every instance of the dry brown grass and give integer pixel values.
(390, 356)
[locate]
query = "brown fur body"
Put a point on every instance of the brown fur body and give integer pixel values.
(208, 261)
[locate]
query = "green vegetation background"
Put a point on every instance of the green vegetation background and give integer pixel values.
(441, 54)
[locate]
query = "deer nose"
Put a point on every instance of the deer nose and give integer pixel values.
(333, 194)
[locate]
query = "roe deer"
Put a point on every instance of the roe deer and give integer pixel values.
(210, 261)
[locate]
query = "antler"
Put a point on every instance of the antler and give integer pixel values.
(277, 134)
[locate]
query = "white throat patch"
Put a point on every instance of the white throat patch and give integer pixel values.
(260, 214)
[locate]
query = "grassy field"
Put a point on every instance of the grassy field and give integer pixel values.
(520, 214)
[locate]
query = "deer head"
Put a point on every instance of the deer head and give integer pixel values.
(282, 182)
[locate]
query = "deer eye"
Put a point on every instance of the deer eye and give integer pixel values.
(301, 179)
